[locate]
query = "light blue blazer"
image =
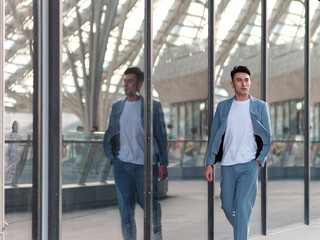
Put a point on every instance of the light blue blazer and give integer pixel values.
(111, 141)
(261, 126)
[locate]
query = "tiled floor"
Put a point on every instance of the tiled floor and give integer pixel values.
(184, 216)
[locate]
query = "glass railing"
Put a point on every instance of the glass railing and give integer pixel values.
(18, 159)
(290, 153)
(186, 153)
(84, 161)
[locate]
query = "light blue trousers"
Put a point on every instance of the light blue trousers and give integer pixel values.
(239, 186)
(129, 180)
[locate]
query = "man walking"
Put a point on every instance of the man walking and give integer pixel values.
(124, 147)
(240, 140)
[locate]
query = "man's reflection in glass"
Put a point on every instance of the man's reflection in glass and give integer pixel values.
(124, 146)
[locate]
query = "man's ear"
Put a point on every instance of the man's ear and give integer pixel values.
(139, 86)
(231, 84)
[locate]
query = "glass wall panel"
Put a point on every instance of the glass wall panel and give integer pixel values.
(189, 121)
(180, 79)
(182, 122)
(196, 132)
(101, 40)
(172, 125)
(279, 121)
(244, 31)
(314, 115)
(285, 96)
(18, 76)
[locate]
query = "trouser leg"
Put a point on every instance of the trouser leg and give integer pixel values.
(156, 211)
(156, 214)
(245, 197)
(125, 186)
(227, 185)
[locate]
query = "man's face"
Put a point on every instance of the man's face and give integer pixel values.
(131, 84)
(241, 84)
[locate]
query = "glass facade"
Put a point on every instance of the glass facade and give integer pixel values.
(18, 121)
(314, 134)
(99, 41)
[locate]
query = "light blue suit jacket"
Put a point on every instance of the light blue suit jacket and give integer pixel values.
(111, 141)
(261, 126)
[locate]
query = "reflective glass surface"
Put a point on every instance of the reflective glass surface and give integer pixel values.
(101, 39)
(285, 97)
(248, 31)
(18, 77)
(182, 94)
(314, 118)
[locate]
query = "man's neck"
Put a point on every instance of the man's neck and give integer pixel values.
(133, 98)
(241, 98)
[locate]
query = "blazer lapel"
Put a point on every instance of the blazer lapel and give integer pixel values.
(227, 109)
(253, 108)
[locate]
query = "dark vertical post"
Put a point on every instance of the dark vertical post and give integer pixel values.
(37, 122)
(306, 115)
(148, 134)
(264, 77)
(55, 135)
(211, 73)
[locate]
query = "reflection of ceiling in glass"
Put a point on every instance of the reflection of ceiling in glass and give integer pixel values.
(114, 39)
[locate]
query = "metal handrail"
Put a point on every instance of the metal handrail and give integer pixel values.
(90, 150)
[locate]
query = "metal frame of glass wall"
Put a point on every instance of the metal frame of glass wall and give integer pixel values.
(148, 136)
(211, 78)
(264, 77)
(47, 137)
(47, 116)
(2, 143)
(306, 114)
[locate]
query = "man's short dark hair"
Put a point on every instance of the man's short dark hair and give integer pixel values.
(137, 71)
(242, 69)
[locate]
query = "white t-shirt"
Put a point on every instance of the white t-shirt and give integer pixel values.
(239, 144)
(131, 134)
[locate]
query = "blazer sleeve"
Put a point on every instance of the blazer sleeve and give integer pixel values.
(160, 134)
(108, 135)
(214, 129)
(265, 121)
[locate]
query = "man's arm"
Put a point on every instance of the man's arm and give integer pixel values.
(163, 172)
(208, 173)
(265, 121)
(160, 135)
(214, 129)
(107, 138)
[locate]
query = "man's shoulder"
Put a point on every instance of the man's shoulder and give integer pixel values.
(119, 102)
(155, 102)
(257, 101)
(226, 101)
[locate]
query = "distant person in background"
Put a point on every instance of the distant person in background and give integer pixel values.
(13, 152)
(94, 129)
(79, 148)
